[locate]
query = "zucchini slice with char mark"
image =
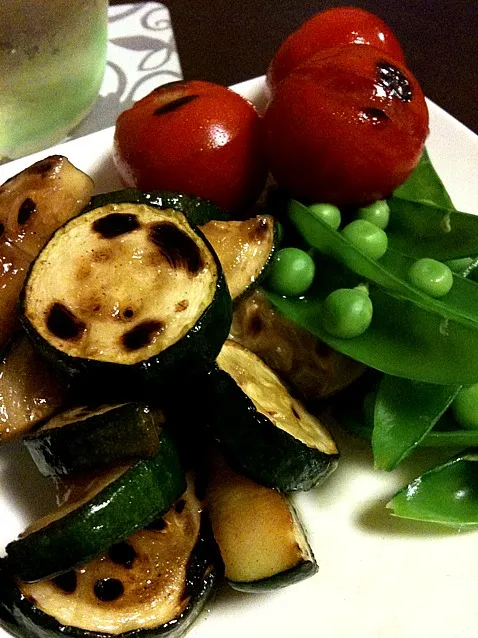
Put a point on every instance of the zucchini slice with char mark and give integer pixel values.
(263, 432)
(154, 583)
(84, 438)
(127, 294)
(197, 210)
(310, 367)
(111, 506)
(245, 249)
(32, 206)
(30, 390)
(260, 538)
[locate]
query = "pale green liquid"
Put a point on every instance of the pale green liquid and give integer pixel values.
(52, 60)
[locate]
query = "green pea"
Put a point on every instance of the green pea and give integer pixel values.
(465, 407)
(292, 272)
(347, 312)
(432, 276)
(377, 213)
(371, 240)
(328, 213)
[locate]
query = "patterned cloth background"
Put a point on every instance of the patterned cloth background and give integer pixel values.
(141, 56)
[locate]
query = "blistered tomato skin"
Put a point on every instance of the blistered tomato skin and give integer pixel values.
(193, 137)
(346, 127)
(331, 28)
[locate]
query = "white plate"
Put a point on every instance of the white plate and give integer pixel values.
(379, 576)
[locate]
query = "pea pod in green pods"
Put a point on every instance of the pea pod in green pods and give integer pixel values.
(446, 494)
(404, 413)
(437, 232)
(424, 185)
(390, 272)
(406, 338)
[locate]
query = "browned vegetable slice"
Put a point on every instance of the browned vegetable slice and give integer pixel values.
(33, 204)
(244, 248)
(308, 365)
(30, 390)
(41, 198)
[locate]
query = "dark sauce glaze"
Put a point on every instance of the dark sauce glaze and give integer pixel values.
(374, 115)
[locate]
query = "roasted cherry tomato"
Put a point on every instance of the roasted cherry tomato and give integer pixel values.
(193, 137)
(328, 29)
(346, 127)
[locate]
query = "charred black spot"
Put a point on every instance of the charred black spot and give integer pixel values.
(394, 81)
(62, 323)
(157, 525)
(179, 506)
(108, 589)
(128, 313)
(67, 582)
(44, 166)
(142, 335)
(174, 105)
(116, 224)
(259, 230)
(178, 248)
(295, 413)
(26, 210)
(256, 325)
(2, 229)
(373, 115)
(181, 306)
(122, 554)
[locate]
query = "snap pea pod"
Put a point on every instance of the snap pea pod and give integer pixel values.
(424, 185)
(435, 439)
(437, 232)
(404, 413)
(390, 272)
(446, 494)
(405, 338)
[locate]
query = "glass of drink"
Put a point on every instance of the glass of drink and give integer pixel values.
(52, 61)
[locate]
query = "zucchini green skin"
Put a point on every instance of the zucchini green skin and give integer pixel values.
(197, 210)
(19, 616)
(254, 446)
(124, 433)
(132, 501)
(193, 354)
(290, 577)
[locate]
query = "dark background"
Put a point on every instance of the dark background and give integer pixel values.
(227, 41)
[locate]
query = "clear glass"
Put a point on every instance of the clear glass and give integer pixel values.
(52, 61)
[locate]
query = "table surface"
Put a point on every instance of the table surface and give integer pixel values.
(227, 42)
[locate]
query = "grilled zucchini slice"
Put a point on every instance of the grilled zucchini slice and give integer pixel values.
(85, 438)
(33, 204)
(261, 540)
(30, 390)
(245, 249)
(310, 367)
(126, 296)
(111, 506)
(154, 583)
(262, 430)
